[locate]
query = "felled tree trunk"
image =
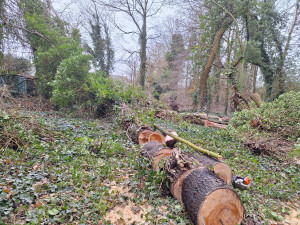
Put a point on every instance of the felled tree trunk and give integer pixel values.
(209, 200)
(144, 136)
(155, 152)
(208, 123)
(134, 131)
(222, 169)
(207, 197)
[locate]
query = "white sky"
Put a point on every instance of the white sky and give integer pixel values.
(70, 10)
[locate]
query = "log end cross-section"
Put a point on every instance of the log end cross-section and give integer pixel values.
(209, 200)
(157, 137)
(144, 137)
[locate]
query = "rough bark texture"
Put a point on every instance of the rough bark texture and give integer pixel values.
(155, 152)
(150, 149)
(212, 55)
(203, 184)
(222, 169)
(134, 131)
(256, 98)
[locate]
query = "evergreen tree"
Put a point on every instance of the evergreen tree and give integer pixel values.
(102, 50)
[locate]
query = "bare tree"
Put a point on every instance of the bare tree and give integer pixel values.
(138, 11)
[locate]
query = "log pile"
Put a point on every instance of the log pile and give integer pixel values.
(201, 182)
(205, 120)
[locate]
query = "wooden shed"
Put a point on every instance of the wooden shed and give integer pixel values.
(18, 84)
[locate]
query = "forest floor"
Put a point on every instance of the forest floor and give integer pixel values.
(90, 173)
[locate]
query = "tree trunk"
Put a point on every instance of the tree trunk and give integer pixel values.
(155, 152)
(134, 131)
(157, 137)
(214, 49)
(144, 137)
(256, 98)
(222, 169)
(170, 141)
(143, 53)
(209, 200)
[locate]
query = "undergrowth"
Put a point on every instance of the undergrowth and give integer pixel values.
(69, 176)
(280, 117)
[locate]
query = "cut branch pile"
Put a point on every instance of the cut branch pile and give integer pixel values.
(200, 181)
(17, 130)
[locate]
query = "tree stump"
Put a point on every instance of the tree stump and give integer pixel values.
(221, 168)
(209, 200)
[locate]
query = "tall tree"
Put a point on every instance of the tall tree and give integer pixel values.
(49, 40)
(267, 46)
(2, 22)
(138, 11)
(102, 50)
(221, 15)
(176, 58)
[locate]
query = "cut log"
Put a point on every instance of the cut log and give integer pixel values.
(256, 98)
(222, 169)
(134, 132)
(157, 137)
(208, 123)
(209, 200)
(144, 137)
(161, 156)
(155, 152)
(176, 186)
(170, 141)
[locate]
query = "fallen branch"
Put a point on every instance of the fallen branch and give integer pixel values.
(204, 151)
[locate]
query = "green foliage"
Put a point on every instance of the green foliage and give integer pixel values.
(69, 86)
(77, 177)
(47, 62)
(108, 92)
(74, 87)
(282, 116)
(51, 43)
(102, 50)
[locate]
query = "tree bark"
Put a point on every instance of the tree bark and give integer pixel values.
(209, 200)
(212, 55)
(143, 53)
(221, 168)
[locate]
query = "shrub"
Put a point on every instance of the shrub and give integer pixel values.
(282, 116)
(69, 86)
(75, 87)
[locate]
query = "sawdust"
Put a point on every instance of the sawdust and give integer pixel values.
(293, 218)
(123, 214)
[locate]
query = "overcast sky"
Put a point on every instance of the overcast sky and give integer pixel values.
(71, 11)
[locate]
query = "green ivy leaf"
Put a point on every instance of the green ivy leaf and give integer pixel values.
(53, 212)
